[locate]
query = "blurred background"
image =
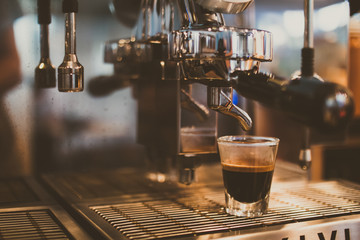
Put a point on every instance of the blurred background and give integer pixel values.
(54, 131)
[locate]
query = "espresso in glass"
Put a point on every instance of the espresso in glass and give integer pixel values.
(248, 165)
(247, 183)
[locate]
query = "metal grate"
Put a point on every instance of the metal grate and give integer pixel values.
(36, 224)
(201, 214)
(15, 190)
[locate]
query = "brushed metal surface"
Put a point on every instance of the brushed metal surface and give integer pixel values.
(148, 210)
(16, 190)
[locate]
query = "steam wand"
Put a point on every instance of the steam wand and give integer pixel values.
(307, 71)
(45, 71)
(70, 72)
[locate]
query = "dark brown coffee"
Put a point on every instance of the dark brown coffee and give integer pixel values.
(247, 183)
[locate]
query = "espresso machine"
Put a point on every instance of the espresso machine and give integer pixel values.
(180, 46)
(191, 77)
(177, 127)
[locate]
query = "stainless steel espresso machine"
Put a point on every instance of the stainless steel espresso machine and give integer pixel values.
(181, 46)
(192, 77)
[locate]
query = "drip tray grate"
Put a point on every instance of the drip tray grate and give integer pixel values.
(34, 224)
(204, 214)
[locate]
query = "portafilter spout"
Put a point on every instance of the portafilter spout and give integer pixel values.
(220, 100)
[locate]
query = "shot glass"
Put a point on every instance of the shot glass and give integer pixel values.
(248, 164)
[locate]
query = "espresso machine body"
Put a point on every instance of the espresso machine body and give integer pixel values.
(192, 40)
(127, 149)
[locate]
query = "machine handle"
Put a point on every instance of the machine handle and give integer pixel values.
(324, 105)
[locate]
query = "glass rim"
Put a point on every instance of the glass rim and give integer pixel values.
(239, 140)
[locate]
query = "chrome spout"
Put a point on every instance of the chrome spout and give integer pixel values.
(220, 100)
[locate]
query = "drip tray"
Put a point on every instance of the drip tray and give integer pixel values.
(204, 214)
(31, 224)
(297, 210)
(27, 211)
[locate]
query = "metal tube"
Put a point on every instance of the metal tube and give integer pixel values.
(45, 71)
(70, 33)
(309, 16)
(70, 72)
(307, 70)
(44, 41)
